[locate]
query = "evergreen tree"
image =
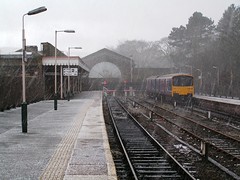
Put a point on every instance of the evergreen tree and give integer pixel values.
(229, 53)
(177, 39)
(190, 41)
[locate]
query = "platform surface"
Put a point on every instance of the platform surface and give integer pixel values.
(219, 99)
(69, 143)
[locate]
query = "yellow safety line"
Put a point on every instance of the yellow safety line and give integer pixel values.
(58, 163)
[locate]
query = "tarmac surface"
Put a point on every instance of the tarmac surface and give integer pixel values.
(69, 143)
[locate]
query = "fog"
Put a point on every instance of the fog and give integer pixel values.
(98, 24)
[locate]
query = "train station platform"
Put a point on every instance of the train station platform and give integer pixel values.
(219, 99)
(69, 143)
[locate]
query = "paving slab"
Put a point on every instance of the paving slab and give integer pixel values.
(70, 143)
(87, 160)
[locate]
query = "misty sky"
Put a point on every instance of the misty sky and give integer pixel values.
(99, 23)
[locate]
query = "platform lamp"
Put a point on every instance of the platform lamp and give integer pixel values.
(131, 68)
(24, 60)
(55, 94)
(215, 67)
(201, 80)
(68, 92)
(191, 68)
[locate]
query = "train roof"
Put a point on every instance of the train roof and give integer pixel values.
(167, 76)
(175, 74)
(152, 77)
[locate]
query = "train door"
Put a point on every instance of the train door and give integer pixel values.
(148, 85)
(157, 87)
(162, 86)
(169, 86)
(152, 86)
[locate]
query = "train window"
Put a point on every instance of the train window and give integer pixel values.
(182, 81)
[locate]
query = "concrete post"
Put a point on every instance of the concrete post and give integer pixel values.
(209, 115)
(204, 149)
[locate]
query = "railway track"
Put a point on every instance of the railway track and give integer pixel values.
(224, 119)
(146, 158)
(120, 161)
(222, 148)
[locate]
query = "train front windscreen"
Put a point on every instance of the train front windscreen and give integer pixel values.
(182, 81)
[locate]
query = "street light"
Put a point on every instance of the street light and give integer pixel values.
(68, 92)
(200, 77)
(216, 91)
(189, 67)
(215, 67)
(55, 94)
(24, 59)
(131, 59)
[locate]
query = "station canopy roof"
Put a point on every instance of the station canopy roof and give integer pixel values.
(16, 55)
(64, 61)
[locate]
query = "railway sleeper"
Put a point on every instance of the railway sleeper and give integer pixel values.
(139, 145)
(145, 155)
(148, 158)
(155, 154)
(120, 117)
(141, 160)
(231, 149)
(188, 165)
(139, 149)
(121, 168)
(135, 140)
(150, 163)
(163, 177)
(143, 151)
(150, 150)
(235, 153)
(117, 112)
(155, 168)
(156, 172)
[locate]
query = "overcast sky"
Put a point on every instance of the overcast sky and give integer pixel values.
(99, 23)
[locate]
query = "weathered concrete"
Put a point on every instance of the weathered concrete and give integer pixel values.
(59, 144)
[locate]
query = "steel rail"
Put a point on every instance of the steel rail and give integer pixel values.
(184, 171)
(210, 159)
(192, 121)
(121, 142)
(224, 169)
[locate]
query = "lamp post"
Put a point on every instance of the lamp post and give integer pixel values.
(189, 67)
(215, 67)
(216, 91)
(24, 60)
(209, 84)
(55, 73)
(131, 68)
(200, 77)
(68, 92)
